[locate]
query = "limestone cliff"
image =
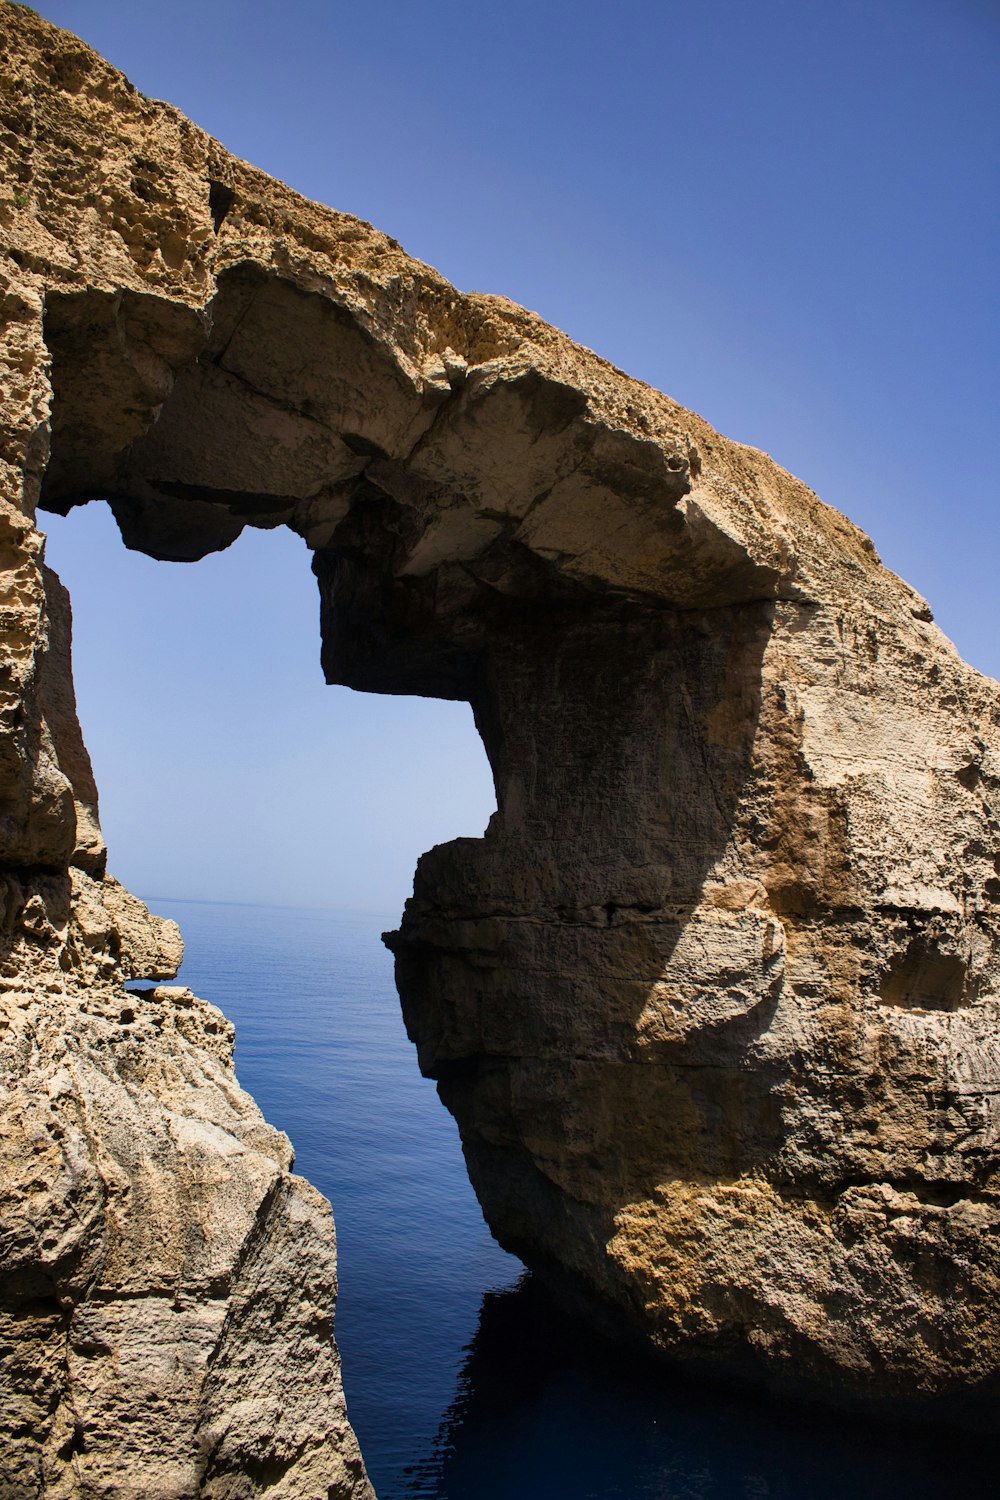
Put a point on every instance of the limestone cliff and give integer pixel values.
(715, 999)
(167, 1285)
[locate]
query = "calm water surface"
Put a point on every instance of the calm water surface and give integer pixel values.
(463, 1381)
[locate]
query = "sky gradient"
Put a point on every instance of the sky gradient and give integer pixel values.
(784, 214)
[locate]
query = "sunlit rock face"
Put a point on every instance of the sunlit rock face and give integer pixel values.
(714, 1000)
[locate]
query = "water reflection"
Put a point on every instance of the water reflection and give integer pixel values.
(545, 1409)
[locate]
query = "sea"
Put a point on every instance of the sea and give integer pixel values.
(464, 1381)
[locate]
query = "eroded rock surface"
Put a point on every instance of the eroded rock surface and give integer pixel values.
(715, 999)
(167, 1284)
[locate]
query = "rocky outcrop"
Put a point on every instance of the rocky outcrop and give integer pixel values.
(167, 1285)
(715, 999)
(168, 1291)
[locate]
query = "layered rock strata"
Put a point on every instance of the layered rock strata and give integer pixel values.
(715, 999)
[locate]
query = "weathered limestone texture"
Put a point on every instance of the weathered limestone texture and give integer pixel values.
(167, 1286)
(714, 1001)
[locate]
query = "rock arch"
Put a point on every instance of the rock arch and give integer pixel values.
(742, 779)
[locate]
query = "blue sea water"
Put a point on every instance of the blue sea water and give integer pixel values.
(463, 1381)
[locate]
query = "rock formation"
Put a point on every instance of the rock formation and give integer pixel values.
(167, 1285)
(715, 999)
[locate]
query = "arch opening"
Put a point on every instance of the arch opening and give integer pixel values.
(319, 1040)
(228, 770)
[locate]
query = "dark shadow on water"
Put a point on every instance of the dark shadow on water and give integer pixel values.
(546, 1409)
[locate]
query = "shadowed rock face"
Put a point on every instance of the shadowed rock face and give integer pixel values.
(715, 999)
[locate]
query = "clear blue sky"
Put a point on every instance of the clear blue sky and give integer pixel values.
(783, 213)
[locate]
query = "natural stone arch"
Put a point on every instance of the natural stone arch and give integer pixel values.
(741, 777)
